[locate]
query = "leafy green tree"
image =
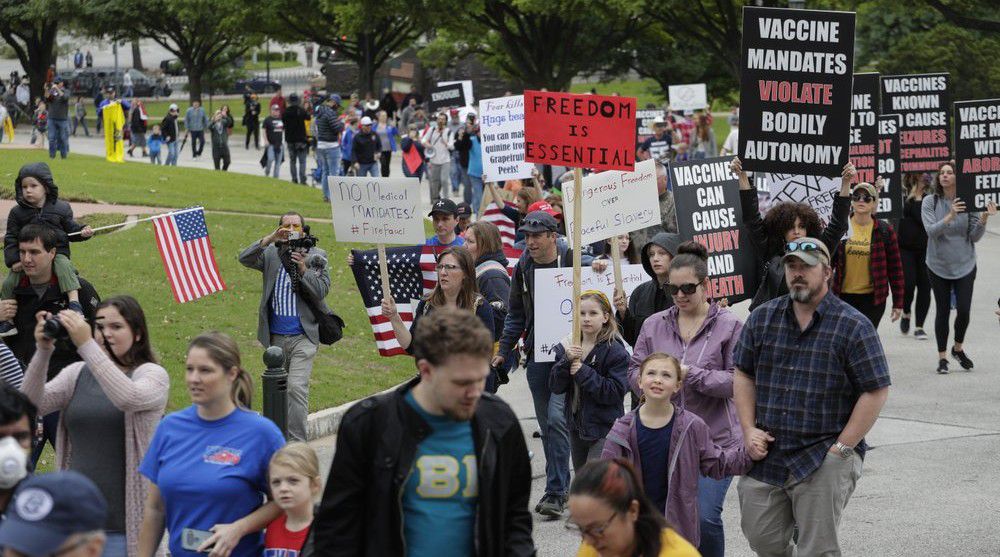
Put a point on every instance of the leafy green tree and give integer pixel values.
(977, 15)
(205, 35)
(536, 43)
(30, 28)
(365, 32)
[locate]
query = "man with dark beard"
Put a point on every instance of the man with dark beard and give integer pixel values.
(810, 381)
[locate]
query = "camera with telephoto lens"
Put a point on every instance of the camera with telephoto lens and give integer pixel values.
(302, 242)
(53, 329)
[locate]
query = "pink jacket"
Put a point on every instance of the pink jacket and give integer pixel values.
(692, 453)
(708, 387)
(142, 398)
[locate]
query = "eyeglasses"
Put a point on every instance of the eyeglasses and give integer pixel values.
(687, 289)
(450, 267)
(592, 532)
(862, 196)
(802, 246)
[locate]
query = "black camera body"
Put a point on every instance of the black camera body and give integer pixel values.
(303, 243)
(54, 329)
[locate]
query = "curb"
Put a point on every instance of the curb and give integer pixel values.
(326, 422)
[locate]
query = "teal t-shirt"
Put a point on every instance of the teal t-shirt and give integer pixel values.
(439, 502)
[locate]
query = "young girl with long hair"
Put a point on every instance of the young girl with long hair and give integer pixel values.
(594, 377)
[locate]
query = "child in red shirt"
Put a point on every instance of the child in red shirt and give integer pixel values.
(294, 478)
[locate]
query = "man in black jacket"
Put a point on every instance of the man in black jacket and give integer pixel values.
(39, 292)
(296, 138)
(436, 463)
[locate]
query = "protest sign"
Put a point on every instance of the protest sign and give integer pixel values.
(644, 123)
(444, 97)
(615, 203)
(816, 191)
(554, 301)
(864, 126)
(377, 210)
(580, 131)
(501, 130)
(977, 152)
(795, 90)
(466, 89)
(890, 200)
(688, 97)
(707, 198)
(924, 102)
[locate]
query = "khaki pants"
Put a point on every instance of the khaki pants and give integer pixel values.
(815, 504)
(299, 356)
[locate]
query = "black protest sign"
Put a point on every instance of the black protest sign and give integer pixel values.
(795, 90)
(644, 123)
(890, 199)
(864, 126)
(977, 152)
(447, 96)
(924, 101)
(707, 199)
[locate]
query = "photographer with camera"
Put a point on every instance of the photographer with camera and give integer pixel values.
(295, 280)
(57, 99)
(38, 292)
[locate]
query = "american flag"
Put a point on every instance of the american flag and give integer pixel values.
(412, 276)
(182, 238)
(506, 226)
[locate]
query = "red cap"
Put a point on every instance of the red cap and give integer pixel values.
(544, 206)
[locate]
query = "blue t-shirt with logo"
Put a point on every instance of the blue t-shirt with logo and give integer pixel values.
(458, 241)
(284, 309)
(440, 497)
(211, 472)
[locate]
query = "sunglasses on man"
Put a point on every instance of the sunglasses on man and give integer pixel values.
(802, 246)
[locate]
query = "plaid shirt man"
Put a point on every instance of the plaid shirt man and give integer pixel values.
(886, 266)
(808, 381)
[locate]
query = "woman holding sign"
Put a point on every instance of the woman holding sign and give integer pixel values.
(867, 265)
(786, 222)
(951, 261)
(913, 253)
(701, 335)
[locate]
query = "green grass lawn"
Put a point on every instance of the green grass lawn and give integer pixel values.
(128, 262)
(141, 183)
(275, 65)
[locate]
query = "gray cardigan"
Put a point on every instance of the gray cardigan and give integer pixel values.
(316, 281)
(951, 249)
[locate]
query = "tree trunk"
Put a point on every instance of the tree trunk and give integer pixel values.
(136, 55)
(194, 82)
(366, 66)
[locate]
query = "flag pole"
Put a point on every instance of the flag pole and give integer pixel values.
(383, 268)
(137, 221)
(577, 249)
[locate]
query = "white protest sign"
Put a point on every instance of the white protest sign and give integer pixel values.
(816, 191)
(377, 210)
(616, 202)
(501, 130)
(466, 88)
(688, 97)
(554, 300)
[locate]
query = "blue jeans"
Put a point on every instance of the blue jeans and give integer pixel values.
(171, 154)
(115, 546)
(297, 155)
(477, 192)
(550, 413)
(58, 138)
(456, 172)
(711, 495)
(274, 157)
(329, 165)
(369, 170)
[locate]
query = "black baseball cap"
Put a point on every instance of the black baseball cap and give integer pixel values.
(444, 205)
(539, 221)
(463, 210)
(48, 509)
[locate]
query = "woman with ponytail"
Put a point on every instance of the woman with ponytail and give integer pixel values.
(207, 464)
(701, 335)
(614, 517)
(109, 404)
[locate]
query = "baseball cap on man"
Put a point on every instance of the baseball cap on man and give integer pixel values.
(463, 209)
(48, 509)
(366, 121)
(173, 106)
(443, 205)
(808, 250)
(538, 221)
(544, 206)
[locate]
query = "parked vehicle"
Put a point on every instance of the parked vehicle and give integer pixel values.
(173, 66)
(257, 84)
(87, 82)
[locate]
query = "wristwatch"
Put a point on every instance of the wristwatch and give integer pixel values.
(843, 449)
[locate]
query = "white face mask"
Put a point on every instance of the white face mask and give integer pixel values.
(13, 463)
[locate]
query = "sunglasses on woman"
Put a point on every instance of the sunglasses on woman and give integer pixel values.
(688, 289)
(862, 196)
